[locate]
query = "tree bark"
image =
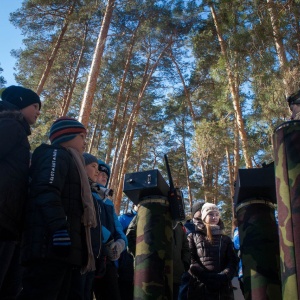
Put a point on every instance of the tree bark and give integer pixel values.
(87, 101)
(119, 98)
(131, 122)
(280, 49)
(53, 54)
(69, 95)
(234, 89)
(186, 91)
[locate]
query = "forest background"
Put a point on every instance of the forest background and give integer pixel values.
(203, 81)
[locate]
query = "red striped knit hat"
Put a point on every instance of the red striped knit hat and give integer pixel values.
(65, 129)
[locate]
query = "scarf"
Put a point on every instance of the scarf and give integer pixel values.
(89, 214)
(216, 229)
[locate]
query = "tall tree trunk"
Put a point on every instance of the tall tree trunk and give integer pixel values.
(230, 175)
(87, 101)
(53, 54)
(120, 95)
(187, 174)
(234, 89)
(203, 171)
(186, 91)
(123, 170)
(94, 133)
(67, 101)
(280, 48)
(119, 138)
(236, 151)
(130, 124)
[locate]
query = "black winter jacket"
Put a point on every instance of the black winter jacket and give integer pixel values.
(55, 203)
(14, 172)
(213, 257)
(181, 252)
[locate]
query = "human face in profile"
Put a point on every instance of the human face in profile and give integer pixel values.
(78, 143)
(31, 113)
(92, 171)
(102, 178)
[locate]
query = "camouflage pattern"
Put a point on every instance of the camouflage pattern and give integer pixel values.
(286, 142)
(259, 249)
(153, 275)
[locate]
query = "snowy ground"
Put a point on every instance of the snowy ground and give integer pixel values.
(237, 292)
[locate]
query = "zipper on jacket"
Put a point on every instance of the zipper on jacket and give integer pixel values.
(100, 226)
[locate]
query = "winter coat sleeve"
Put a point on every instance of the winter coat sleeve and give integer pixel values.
(193, 249)
(236, 239)
(131, 235)
(185, 252)
(10, 131)
(233, 260)
(48, 178)
(119, 229)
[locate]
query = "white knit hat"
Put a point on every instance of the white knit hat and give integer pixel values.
(206, 208)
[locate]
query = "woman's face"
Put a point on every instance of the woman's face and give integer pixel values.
(212, 218)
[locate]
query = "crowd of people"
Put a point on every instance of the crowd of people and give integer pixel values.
(60, 237)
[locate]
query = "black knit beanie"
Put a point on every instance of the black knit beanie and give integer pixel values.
(196, 207)
(20, 97)
(294, 98)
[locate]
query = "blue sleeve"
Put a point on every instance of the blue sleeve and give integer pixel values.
(119, 229)
(123, 222)
(236, 239)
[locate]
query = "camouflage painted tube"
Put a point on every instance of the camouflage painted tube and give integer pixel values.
(259, 246)
(286, 142)
(153, 274)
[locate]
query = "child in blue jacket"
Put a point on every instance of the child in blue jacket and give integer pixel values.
(114, 240)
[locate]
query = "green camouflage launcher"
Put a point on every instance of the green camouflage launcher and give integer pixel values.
(287, 173)
(255, 197)
(259, 250)
(153, 275)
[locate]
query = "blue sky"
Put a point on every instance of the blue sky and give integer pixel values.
(10, 37)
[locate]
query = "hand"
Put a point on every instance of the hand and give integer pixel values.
(197, 270)
(61, 242)
(115, 249)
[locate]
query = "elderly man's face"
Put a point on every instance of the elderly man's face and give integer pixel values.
(294, 108)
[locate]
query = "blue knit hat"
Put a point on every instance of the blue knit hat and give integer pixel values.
(20, 97)
(65, 129)
(89, 158)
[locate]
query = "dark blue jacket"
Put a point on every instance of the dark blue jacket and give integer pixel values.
(55, 203)
(111, 227)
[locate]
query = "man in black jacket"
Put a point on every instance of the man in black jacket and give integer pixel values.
(19, 108)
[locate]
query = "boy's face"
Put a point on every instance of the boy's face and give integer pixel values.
(78, 143)
(102, 178)
(31, 113)
(92, 171)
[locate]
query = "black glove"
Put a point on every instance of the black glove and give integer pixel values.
(61, 242)
(198, 271)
